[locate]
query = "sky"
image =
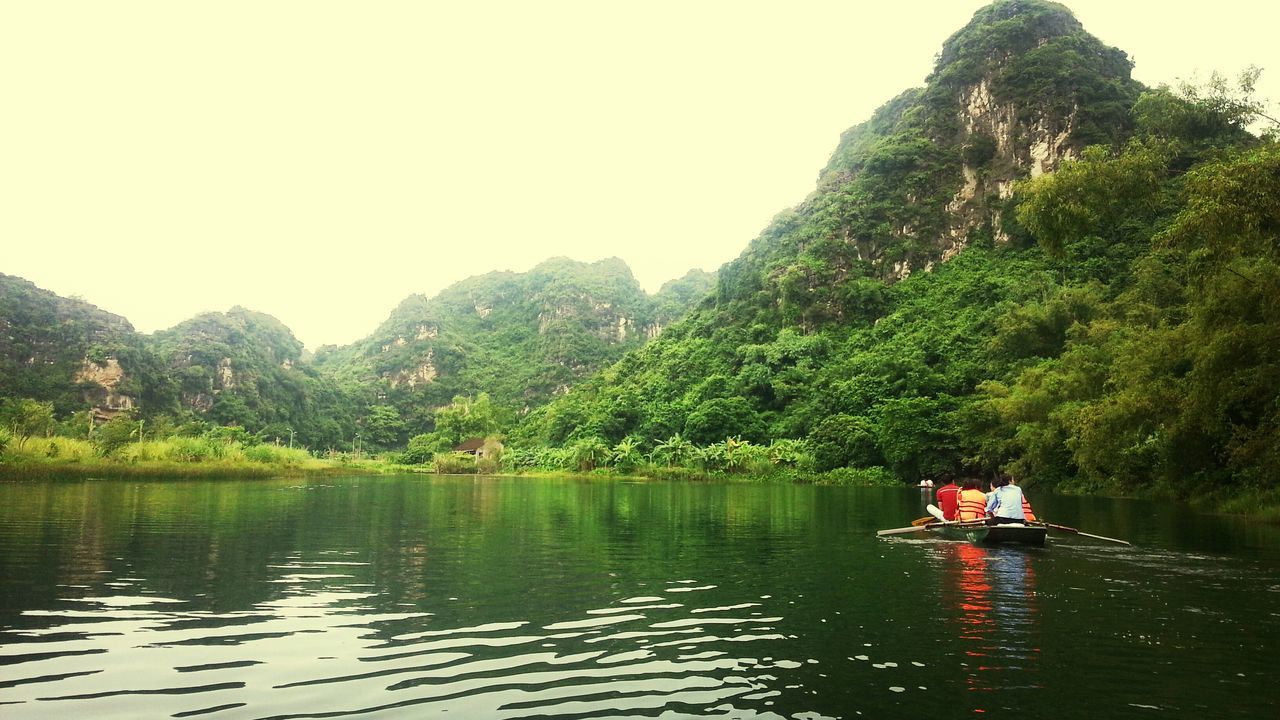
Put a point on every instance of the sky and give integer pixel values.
(320, 161)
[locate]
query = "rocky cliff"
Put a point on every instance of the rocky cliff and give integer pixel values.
(64, 350)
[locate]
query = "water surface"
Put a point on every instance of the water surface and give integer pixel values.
(411, 597)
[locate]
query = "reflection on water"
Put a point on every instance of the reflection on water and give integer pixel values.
(321, 649)
(522, 598)
(991, 592)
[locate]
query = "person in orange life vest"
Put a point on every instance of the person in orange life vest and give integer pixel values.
(947, 497)
(1026, 504)
(971, 503)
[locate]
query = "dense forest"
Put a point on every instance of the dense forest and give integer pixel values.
(1031, 264)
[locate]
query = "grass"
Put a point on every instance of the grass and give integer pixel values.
(57, 457)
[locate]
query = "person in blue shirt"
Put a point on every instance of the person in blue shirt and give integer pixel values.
(1005, 503)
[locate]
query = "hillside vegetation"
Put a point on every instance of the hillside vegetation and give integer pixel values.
(1101, 260)
(517, 338)
(1031, 264)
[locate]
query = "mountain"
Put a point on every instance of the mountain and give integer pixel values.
(1030, 264)
(246, 368)
(1016, 92)
(73, 354)
(520, 337)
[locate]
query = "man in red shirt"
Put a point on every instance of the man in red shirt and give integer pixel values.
(948, 497)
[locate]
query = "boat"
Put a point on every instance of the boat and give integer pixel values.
(1031, 534)
(980, 533)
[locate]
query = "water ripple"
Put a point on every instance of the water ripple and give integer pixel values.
(322, 650)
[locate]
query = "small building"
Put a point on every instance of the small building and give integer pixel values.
(472, 446)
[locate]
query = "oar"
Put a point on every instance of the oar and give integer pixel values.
(901, 530)
(1099, 537)
(924, 521)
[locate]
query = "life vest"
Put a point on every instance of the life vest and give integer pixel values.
(1026, 510)
(972, 505)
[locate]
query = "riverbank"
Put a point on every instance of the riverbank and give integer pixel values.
(66, 459)
(188, 458)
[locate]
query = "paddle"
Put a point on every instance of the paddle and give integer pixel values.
(901, 530)
(1085, 534)
(924, 521)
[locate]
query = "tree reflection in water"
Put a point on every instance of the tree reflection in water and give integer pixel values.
(991, 600)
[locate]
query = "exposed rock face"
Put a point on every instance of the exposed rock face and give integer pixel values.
(226, 377)
(1020, 150)
(412, 377)
(605, 321)
(103, 392)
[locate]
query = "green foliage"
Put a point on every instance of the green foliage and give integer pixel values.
(1214, 115)
(381, 427)
(898, 323)
(115, 434)
(25, 418)
(842, 440)
(871, 476)
(1100, 195)
(454, 463)
(723, 417)
(516, 338)
(589, 453)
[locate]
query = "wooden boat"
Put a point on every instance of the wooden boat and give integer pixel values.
(980, 533)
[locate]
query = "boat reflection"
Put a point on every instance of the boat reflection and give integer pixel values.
(996, 614)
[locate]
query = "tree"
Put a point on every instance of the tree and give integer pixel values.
(115, 434)
(1093, 196)
(382, 426)
(467, 417)
(719, 418)
(675, 450)
(26, 418)
(590, 453)
(626, 454)
(845, 441)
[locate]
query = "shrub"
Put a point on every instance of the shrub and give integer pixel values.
(454, 463)
(189, 449)
(114, 434)
(276, 455)
(858, 476)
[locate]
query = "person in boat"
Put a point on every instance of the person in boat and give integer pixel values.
(1005, 503)
(948, 497)
(1027, 513)
(971, 502)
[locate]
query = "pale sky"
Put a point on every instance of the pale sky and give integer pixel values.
(320, 161)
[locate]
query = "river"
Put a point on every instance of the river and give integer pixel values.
(426, 597)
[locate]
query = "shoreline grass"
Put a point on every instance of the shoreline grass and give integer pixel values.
(52, 459)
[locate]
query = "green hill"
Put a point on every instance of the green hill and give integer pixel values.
(1007, 268)
(519, 337)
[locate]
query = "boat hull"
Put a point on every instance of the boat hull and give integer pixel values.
(1012, 534)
